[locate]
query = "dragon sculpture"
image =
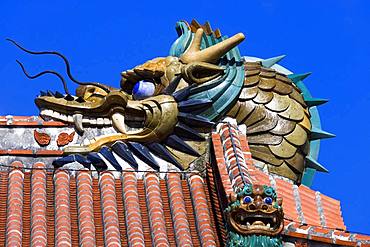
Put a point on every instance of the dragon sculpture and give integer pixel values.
(165, 109)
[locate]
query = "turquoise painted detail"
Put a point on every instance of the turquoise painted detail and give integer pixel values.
(183, 41)
(237, 240)
(309, 173)
(320, 134)
(313, 164)
(223, 91)
(268, 63)
(247, 191)
(296, 78)
(315, 101)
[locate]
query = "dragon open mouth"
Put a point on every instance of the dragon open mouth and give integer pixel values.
(246, 221)
(77, 119)
(134, 120)
(256, 222)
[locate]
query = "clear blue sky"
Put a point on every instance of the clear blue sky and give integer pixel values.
(329, 38)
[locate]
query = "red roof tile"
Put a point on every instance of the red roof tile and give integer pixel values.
(28, 121)
(309, 214)
(178, 210)
(74, 208)
(113, 209)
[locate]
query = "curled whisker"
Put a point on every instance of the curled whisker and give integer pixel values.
(43, 73)
(66, 62)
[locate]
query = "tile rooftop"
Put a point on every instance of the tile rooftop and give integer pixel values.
(64, 209)
(73, 208)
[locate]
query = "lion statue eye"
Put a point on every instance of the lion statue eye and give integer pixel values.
(247, 199)
(268, 200)
(143, 89)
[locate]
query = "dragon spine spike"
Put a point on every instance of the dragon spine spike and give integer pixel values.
(211, 54)
(315, 101)
(121, 149)
(207, 28)
(196, 24)
(105, 151)
(143, 153)
(195, 120)
(187, 132)
(298, 77)
(181, 94)
(172, 85)
(268, 63)
(177, 143)
(317, 133)
(163, 153)
(312, 163)
(194, 105)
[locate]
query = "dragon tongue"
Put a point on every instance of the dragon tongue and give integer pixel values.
(77, 119)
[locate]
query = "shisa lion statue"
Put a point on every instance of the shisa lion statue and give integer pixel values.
(167, 106)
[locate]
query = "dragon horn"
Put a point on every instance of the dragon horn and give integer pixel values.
(210, 54)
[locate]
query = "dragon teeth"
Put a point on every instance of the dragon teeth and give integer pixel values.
(78, 122)
(85, 121)
(107, 121)
(47, 112)
(70, 119)
(100, 121)
(63, 117)
(56, 115)
(78, 119)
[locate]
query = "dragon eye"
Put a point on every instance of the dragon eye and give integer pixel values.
(268, 200)
(247, 200)
(143, 89)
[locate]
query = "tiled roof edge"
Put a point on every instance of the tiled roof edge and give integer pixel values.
(28, 121)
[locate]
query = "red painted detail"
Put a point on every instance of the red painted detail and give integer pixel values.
(65, 138)
(42, 139)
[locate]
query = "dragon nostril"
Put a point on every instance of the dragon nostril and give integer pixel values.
(252, 207)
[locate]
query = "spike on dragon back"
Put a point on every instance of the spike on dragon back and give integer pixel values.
(166, 107)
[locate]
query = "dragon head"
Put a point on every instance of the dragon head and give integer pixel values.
(152, 103)
(257, 210)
